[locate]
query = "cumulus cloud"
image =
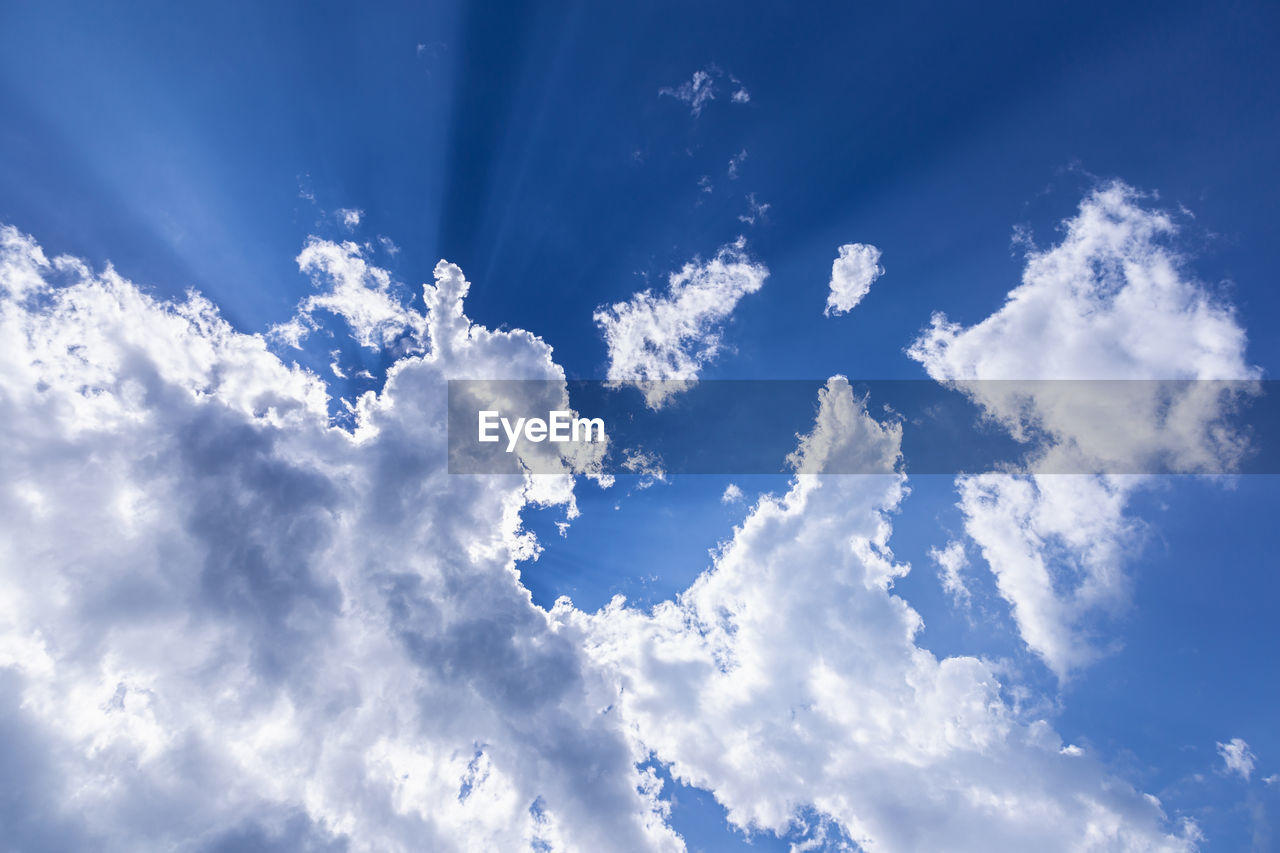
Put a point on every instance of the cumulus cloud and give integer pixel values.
(732, 494)
(349, 216)
(657, 342)
(787, 681)
(1237, 757)
(227, 624)
(854, 270)
(1112, 300)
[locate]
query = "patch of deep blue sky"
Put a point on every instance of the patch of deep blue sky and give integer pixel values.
(527, 142)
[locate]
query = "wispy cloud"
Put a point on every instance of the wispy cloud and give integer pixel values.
(756, 210)
(1237, 757)
(702, 87)
(655, 338)
(735, 163)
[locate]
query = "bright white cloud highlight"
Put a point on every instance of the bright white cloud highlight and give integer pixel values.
(787, 681)
(349, 659)
(1112, 300)
(657, 341)
(227, 624)
(854, 270)
(357, 291)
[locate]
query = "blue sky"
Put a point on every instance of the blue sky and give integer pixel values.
(533, 146)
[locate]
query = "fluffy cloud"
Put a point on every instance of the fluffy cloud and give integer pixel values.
(1237, 757)
(787, 680)
(227, 624)
(1112, 300)
(358, 292)
(657, 342)
(852, 273)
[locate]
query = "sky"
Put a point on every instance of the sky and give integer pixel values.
(245, 606)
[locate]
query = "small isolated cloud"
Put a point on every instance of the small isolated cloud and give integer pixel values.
(695, 92)
(349, 216)
(732, 494)
(952, 562)
(656, 342)
(647, 464)
(704, 184)
(756, 210)
(1237, 757)
(701, 89)
(735, 163)
(388, 245)
(852, 273)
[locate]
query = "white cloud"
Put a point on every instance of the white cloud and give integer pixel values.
(1237, 757)
(358, 292)
(787, 681)
(1112, 300)
(855, 268)
(645, 463)
(952, 561)
(695, 92)
(756, 210)
(732, 494)
(702, 88)
(350, 662)
(227, 624)
(349, 216)
(735, 163)
(657, 342)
